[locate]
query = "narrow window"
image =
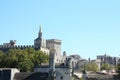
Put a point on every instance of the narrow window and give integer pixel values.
(61, 77)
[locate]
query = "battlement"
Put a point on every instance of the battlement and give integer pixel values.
(17, 46)
(5, 48)
(54, 41)
(12, 45)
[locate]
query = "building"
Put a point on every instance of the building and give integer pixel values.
(56, 71)
(55, 44)
(74, 60)
(81, 64)
(39, 44)
(108, 59)
(8, 73)
(78, 63)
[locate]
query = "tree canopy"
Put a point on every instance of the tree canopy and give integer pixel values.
(25, 60)
(92, 66)
(106, 66)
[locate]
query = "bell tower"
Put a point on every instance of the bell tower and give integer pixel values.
(38, 40)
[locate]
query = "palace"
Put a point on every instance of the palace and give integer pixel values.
(39, 44)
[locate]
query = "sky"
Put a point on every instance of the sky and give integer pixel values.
(86, 27)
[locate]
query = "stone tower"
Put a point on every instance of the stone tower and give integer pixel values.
(38, 40)
(52, 73)
(55, 44)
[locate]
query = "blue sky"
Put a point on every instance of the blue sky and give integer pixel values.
(86, 27)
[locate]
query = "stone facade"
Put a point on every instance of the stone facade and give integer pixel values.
(62, 72)
(77, 63)
(81, 64)
(108, 59)
(57, 71)
(74, 60)
(55, 44)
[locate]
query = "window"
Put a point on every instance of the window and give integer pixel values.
(61, 77)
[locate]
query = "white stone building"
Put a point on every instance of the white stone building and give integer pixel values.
(46, 44)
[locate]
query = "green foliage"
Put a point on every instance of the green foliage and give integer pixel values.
(40, 58)
(91, 67)
(1, 55)
(2, 59)
(25, 66)
(81, 78)
(106, 66)
(25, 60)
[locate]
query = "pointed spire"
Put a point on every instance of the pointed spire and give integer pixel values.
(40, 29)
(40, 32)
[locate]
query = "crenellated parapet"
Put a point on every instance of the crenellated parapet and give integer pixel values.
(5, 48)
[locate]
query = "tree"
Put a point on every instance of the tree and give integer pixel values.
(40, 57)
(106, 66)
(26, 66)
(25, 59)
(91, 67)
(81, 78)
(2, 59)
(1, 55)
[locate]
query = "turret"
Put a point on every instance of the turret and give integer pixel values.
(64, 54)
(52, 73)
(52, 56)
